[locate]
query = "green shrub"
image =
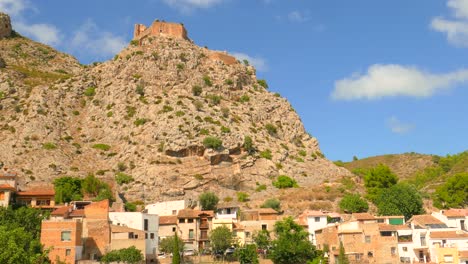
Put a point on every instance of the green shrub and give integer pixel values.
(121, 166)
(75, 112)
(49, 146)
(180, 113)
(284, 181)
(196, 90)
(215, 99)
(263, 83)
(302, 153)
(90, 91)
(272, 203)
(225, 130)
(228, 82)
(140, 121)
(248, 144)
(103, 147)
(167, 108)
(212, 142)
(130, 207)
(244, 98)
(266, 154)
(134, 42)
(207, 80)
(353, 203)
(140, 89)
(131, 111)
(271, 129)
(260, 188)
(204, 131)
(180, 66)
(242, 197)
(122, 178)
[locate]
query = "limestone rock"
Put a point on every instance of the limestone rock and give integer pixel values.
(5, 25)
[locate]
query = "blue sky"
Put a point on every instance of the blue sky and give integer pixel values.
(367, 77)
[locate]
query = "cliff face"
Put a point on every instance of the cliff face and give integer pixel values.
(147, 113)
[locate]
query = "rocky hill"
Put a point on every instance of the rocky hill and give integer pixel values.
(146, 114)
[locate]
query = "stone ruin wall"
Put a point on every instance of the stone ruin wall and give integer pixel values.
(160, 29)
(5, 25)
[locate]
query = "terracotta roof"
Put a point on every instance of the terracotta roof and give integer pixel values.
(37, 192)
(390, 217)
(463, 254)
(334, 215)
(402, 227)
(210, 213)
(455, 212)
(425, 220)
(188, 213)
(124, 229)
(302, 220)
(168, 220)
(267, 211)
(7, 187)
(363, 216)
(387, 227)
(313, 213)
(449, 234)
(77, 213)
(61, 211)
(227, 205)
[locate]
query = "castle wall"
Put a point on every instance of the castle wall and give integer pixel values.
(5, 25)
(159, 28)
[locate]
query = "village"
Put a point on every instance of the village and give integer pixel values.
(83, 231)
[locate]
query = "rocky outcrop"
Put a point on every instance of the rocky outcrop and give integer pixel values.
(147, 113)
(5, 25)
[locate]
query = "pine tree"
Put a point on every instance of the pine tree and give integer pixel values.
(176, 252)
(342, 258)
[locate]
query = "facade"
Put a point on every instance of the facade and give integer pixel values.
(167, 208)
(315, 220)
(193, 227)
(167, 226)
(147, 223)
(37, 198)
(456, 218)
(256, 220)
(125, 237)
(7, 187)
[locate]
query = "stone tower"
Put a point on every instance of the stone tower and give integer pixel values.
(5, 25)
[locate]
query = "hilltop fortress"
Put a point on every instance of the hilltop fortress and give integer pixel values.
(161, 28)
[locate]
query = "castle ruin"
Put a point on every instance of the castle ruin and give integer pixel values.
(159, 28)
(5, 25)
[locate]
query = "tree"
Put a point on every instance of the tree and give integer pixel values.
(91, 185)
(208, 201)
(167, 244)
(213, 143)
(272, 203)
(67, 189)
(353, 203)
(19, 246)
(378, 178)
(130, 255)
(342, 258)
(248, 144)
(400, 199)
(292, 245)
(262, 239)
(221, 238)
(176, 250)
(247, 254)
(454, 193)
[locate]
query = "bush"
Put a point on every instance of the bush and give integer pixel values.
(49, 146)
(134, 42)
(353, 203)
(263, 83)
(215, 99)
(271, 129)
(260, 188)
(122, 178)
(130, 207)
(197, 90)
(130, 255)
(207, 80)
(242, 197)
(284, 181)
(248, 144)
(140, 121)
(225, 130)
(272, 203)
(213, 142)
(208, 201)
(244, 98)
(140, 89)
(90, 91)
(453, 193)
(103, 147)
(228, 82)
(266, 154)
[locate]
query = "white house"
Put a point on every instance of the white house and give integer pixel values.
(456, 218)
(315, 220)
(149, 223)
(168, 207)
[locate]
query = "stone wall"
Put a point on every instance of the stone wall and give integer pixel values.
(5, 25)
(159, 28)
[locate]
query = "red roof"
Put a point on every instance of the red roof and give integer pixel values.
(455, 212)
(449, 234)
(363, 216)
(37, 192)
(61, 211)
(168, 220)
(77, 213)
(7, 187)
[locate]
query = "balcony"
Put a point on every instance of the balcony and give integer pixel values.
(204, 238)
(204, 226)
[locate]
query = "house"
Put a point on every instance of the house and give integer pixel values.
(125, 237)
(447, 245)
(456, 218)
(37, 198)
(256, 220)
(194, 227)
(168, 207)
(314, 220)
(167, 226)
(147, 223)
(77, 231)
(226, 215)
(7, 186)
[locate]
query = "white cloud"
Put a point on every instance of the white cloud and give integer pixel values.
(90, 39)
(187, 6)
(44, 33)
(395, 80)
(398, 126)
(13, 7)
(456, 29)
(259, 63)
(297, 16)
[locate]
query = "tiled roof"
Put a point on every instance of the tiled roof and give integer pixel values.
(37, 192)
(77, 213)
(124, 229)
(61, 211)
(456, 212)
(267, 211)
(363, 216)
(387, 227)
(391, 217)
(227, 205)
(168, 220)
(7, 187)
(449, 234)
(425, 220)
(188, 213)
(313, 213)
(463, 254)
(210, 213)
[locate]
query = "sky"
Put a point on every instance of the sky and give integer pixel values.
(366, 77)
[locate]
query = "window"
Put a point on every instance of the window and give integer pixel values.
(174, 212)
(370, 254)
(151, 235)
(146, 224)
(367, 239)
(66, 236)
(393, 251)
(380, 220)
(405, 249)
(247, 234)
(358, 256)
(130, 235)
(228, 211)
(181, 221)
(264, 227)
(448, 258)
(67, 252)
(173, 229)
(146, 235)
(423, 240)
(190, 220)
(405, 259)
(317, 219)
(135, 236)
(190, 233)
